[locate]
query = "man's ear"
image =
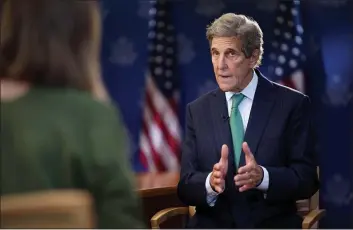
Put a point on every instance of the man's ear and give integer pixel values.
(254, 58)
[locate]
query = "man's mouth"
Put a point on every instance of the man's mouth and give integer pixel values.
(224, 76)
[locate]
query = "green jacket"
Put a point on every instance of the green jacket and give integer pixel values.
(63, 138)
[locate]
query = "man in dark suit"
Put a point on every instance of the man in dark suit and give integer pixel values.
(248, 153)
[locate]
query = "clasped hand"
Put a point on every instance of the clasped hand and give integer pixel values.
(248, 177)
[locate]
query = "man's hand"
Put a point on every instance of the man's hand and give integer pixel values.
(220, 171)
(251, 174)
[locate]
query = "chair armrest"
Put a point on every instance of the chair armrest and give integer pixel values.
(165, 214)
(312, 217)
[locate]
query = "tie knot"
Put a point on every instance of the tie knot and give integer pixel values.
(236, 99)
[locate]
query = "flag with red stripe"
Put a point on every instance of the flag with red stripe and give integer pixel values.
(160, 136)
(287, 53)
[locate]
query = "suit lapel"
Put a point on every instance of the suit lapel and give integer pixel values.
(221, 126)
(260, 111)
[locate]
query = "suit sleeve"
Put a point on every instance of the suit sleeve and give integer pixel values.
(299, 179)
(191, 187)
(107, 172)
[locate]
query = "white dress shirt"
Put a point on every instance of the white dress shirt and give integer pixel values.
(245, 109)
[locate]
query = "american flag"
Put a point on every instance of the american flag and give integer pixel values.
(160, 136)
(287, 54)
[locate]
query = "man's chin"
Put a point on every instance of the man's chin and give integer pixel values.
(225, 88)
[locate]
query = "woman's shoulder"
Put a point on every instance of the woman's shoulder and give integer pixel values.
(81, 102)
(63, 103)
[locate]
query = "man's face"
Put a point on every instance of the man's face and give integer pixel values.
(232, 69)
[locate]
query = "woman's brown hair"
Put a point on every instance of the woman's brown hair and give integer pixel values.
(50, 43)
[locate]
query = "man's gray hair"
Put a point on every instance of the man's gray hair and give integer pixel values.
(242, 27)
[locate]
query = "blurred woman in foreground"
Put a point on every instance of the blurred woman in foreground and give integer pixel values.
(56, 132)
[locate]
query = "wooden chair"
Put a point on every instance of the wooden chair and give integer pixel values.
(309, 209)
(48, 209)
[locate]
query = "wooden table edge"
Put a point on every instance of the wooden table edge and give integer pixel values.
(151, 192)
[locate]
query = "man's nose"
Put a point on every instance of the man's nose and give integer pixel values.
(222, 62)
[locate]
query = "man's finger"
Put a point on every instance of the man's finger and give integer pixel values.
(246, 148)
(217, 174)
(249, 182)
(248, 154)
(218, 181)
(241, 177)
(217, 167)
(218, 185)
(218, 189)
(224, 155)
(245, 188)
(246, 168)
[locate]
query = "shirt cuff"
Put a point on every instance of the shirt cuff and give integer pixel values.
(211, 195)
(263, 186)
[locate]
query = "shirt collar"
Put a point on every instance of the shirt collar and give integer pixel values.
(248, 91)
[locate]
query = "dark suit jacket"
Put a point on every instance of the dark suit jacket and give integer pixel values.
(280, 136)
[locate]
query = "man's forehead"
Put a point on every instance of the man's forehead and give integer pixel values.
(225, 43)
